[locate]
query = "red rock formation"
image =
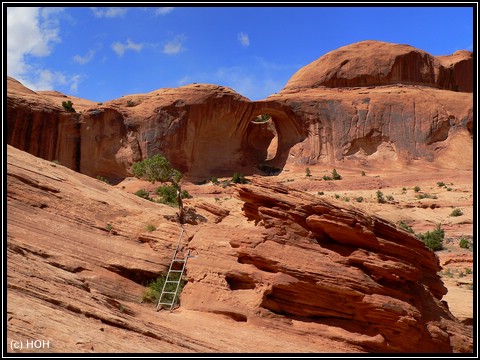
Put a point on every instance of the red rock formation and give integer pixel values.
(387, 109)
(376, 63)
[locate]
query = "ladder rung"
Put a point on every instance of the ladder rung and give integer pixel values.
(176, 270)
(165, 303)
(169, 292)
(172, 281)
(179, 260)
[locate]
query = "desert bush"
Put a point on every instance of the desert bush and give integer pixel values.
(464, 243)
(359, 199)
(320, 193)
(468, 271)
(380, 198)
(440, 183)
(239, 178)
(214, 180)
(456, 212)
(143, 194)
(108, 227)
(150, 228)
(68, 106)
(308, 172)
(433, 239)
(363, 173)
(154, 289)
(336, 175)
(416, 188)
(404, 226)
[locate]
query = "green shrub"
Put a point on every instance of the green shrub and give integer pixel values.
(150, 228)
(468, 271)
(108, 227)
(154, 289)
(143, 194)
(363, 173)
(404, 226)
(380, 198)
(456, 212)
(390, 198)
(359, 199)
(416, 188)
(320, 193)
(239, 178)
(325, 177)
(426, 196)
(215, 180)
(449, 189)
(337, 196)
(464, 243)
(440, 183)
(168, 195)
(308, 172)
(68, 106)
(336, 175)
(433, 239)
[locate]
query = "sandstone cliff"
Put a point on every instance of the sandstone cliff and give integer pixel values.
(351, 105)
(290, 273)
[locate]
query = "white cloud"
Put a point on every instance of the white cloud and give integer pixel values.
(74, 83)
(109, 12)
(243, 38)
(120, 48)
(163, 10)
(32, 33)
(84, 59)
(174, 46)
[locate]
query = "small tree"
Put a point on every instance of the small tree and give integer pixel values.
(308, 172)
(68, 106)
(158, 168)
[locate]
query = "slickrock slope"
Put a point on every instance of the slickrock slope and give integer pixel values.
(287, 273)
(370, 103)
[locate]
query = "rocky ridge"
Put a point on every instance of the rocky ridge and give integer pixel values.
(380, 111)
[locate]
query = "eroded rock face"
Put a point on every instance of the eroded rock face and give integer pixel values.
(311, 261)
(371, 103)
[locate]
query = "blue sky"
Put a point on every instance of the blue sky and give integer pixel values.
(105, 52)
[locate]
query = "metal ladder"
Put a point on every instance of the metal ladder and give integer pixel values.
(174, 276)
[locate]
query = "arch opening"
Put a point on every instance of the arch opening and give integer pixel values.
(263, 139)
